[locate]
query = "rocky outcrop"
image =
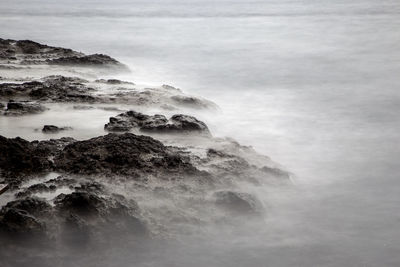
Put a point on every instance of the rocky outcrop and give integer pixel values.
(95, 60)
(23, 108)
(75, 217)
(20, 157)
(157, 123)
(28, 52)
(125, 154)
(51, 88)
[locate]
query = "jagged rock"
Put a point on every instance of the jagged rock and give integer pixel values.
(20, 218)
(236, 202)
(80, 203)
(52, 147)
(23, 108)
(53, 88)
(95, 60)
(18, 157)
(126, 154)
(157, 123)
(54, 129)
(18, 222)
(86, 208)
(31, 205)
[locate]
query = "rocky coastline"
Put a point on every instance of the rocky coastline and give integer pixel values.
(64, 192)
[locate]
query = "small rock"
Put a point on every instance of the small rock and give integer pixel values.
(54, 129)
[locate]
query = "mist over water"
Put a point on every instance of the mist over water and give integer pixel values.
(312, 84)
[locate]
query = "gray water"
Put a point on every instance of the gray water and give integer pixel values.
(312, 84)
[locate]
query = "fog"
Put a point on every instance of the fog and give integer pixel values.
(312, 84)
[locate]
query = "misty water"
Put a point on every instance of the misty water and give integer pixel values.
(312, 84)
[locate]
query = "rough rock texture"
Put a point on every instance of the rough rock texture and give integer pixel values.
(95, 60)
(126, 154)
(28, 52)
(31, 52)
(51, 88)
(20, 157)
(158, 123)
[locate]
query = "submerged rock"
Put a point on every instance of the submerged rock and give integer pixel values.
(237, 202)
(157, 123)
(54, 129)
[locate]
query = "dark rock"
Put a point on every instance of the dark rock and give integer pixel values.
(32, 52)
(19, 222)
(54, 88)
(95, 60)
(126, 154)
(18, 156)
(23, 108)
(53, 146)
(157, 123)
(80, 203)
(54, 129)
(31, 205)
(236, 202)
(36, 188)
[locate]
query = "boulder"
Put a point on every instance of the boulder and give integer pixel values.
(125, 154)
(54, 129)
(157, 123)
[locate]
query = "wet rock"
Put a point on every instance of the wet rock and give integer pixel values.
(95, 60)
(18, 222)
(54, 129)
(31, 205)
(52, 147)
(20, 157)
(80, 203)
(157, 123)
(52, 88)
(126, 154)
(23, 108)
(236, 202)
(32, 52)
(36, 188)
